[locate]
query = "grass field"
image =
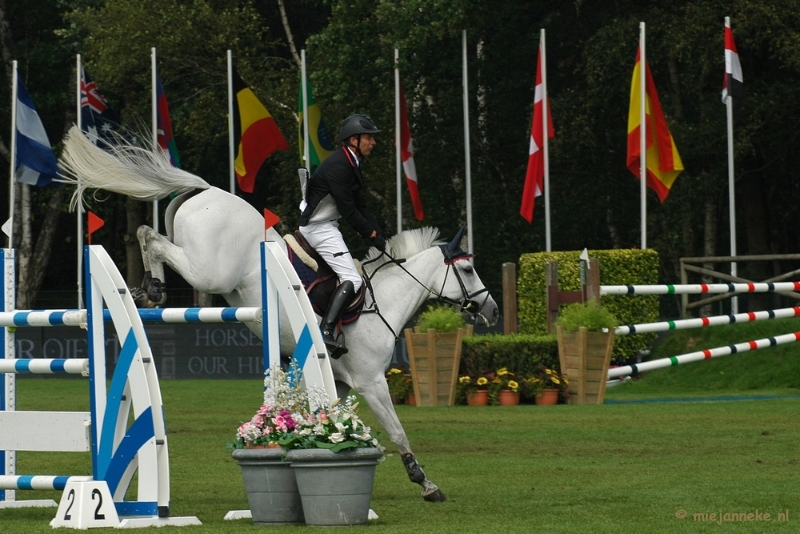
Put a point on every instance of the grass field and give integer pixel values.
(635, 464)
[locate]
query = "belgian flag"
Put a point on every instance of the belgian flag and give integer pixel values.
(256, 134)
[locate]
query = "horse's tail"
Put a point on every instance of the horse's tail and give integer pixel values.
(124, 168)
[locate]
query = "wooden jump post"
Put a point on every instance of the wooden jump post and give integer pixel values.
(590, 288)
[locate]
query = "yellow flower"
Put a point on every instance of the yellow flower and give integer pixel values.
(555, 380)
(465, 380)
(482, 381)
(496, 380)
(513, 385)
(502, 372)
(394, 371)
(548, 371)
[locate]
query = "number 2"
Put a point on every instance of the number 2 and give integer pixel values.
(71, 499)
(97, 514)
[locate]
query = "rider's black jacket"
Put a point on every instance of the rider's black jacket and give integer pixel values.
(340, 177)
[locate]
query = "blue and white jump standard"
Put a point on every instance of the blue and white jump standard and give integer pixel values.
(118, 449)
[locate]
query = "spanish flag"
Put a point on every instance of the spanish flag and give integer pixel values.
(663, 161)
(318, 135)
(256, 135)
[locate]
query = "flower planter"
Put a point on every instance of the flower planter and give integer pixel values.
(434, 359)
(335, 487)
(411, 400)
(584, 358)
(270, 485)
(506, 397)
(548, 397)
(478, 398)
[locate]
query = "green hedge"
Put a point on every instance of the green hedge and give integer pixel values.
(617, 267)
(520, 353)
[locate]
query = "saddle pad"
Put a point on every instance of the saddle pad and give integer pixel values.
(307, 277)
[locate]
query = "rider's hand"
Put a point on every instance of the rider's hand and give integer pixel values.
(379, 242)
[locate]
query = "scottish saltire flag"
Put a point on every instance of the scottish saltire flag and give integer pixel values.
(165, 139)
(98, 120)
(732, 82)
(35, 162)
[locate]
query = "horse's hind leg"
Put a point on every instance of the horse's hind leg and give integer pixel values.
(153, 247)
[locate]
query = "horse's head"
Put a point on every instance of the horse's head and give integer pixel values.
(463, 287)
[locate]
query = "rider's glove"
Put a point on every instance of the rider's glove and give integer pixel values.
(379, 242)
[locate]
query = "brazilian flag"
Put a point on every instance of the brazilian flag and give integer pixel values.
(318, 135)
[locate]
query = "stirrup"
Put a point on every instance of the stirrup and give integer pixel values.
(335, 349)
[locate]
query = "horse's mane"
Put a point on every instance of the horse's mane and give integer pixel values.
(406, 244)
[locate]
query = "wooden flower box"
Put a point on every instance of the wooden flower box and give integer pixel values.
(434, 359)
(584, 357)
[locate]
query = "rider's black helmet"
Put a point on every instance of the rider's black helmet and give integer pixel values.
(356, 125)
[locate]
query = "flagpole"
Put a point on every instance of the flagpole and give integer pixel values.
(467, 162)
(397, 141)
(304, 86)
(643, 134)
(545, 132)
(731, 188)
(13, 158)
(154, 99)
(231, 152)
(79, 210)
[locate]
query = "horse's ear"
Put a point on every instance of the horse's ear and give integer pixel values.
(455, 244)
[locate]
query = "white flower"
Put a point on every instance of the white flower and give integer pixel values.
(336, 437)
(340, 427)
(319, 429)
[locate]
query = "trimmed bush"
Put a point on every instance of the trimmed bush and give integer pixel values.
(519, 353)
(617, 267)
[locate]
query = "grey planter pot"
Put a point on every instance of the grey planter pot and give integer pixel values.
(271, 487)
(335, 488)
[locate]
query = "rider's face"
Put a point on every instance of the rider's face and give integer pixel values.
(366, 144)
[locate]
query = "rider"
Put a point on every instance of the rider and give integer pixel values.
(337, 190)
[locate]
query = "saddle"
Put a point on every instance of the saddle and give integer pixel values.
(318, 278)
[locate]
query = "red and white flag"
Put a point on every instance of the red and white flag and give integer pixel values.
(407, 155)
(534, 178)
(732, 81)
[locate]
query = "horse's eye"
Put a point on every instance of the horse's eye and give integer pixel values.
(468, 269)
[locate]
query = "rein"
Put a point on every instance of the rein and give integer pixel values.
(467, 304)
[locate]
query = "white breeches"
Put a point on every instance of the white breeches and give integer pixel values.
(326, 239)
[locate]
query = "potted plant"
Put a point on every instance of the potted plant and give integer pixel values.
(333, 455)
(504, 388)
(585, 339)
(269, 481)
(474, 390)
(547, 385)
(434, 355)
(400, 385)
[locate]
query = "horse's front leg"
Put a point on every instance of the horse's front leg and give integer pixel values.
(380, 401)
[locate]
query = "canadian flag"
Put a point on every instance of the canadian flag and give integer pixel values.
(407, 155)
(534, 178)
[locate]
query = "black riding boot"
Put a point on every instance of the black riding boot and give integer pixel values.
(339, 301)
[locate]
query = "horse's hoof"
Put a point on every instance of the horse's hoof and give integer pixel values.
(435, 496)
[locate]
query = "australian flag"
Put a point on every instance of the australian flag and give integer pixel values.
(98, 120)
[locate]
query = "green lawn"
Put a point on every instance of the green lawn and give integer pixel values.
(612, 468)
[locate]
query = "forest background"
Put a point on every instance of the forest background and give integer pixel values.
(591, 49)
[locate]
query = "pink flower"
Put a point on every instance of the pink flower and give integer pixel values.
(322, 417)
